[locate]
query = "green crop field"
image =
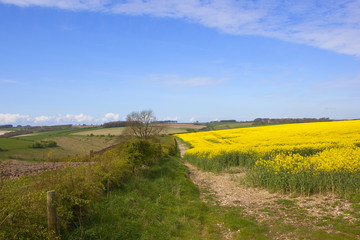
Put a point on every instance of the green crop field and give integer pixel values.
(13, 144)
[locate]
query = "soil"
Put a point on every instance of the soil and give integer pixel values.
(230, 189)
(3, 132)
(13, 169)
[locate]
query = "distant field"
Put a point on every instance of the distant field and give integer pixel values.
(102, 131)
(232, 125)
(225, 125)
(68, 144)
(12, 144)
(170, 129)
(186, 125)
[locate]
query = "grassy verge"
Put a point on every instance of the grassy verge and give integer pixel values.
(160, 202)
(23, 201)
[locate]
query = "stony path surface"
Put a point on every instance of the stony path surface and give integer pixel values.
(227, 188)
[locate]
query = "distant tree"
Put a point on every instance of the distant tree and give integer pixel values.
(6, 126)
(143, 124)
(114, 124)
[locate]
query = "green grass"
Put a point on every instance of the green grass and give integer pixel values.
(68, 144)
(162, 203)
(12, 144)
(51, 134)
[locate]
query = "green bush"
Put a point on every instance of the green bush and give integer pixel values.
(43, 144)
(141, 152)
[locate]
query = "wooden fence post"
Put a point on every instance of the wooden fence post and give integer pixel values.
(51, 214)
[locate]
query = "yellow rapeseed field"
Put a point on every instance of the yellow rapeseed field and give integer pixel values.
(278, 154)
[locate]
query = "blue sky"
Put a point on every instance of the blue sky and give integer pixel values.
(93, 61)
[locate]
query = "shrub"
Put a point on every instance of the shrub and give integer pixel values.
(43, 144)
(141, 152)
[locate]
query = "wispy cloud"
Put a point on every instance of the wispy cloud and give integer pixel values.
(90, 5)
(341, 83)
(9, 118)
(66, 28)
(8, 81)
(326, 24)
(6, 118)
(176, 80)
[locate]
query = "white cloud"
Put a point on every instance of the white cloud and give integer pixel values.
(8, 118)
(42, 119)
(110, 117)
(69, 118)
(327, 24)
(192, 119)
(90, 5)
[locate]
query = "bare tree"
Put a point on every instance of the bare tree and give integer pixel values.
(143, 124)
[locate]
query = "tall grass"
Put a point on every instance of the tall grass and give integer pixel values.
(23, 201)
(161, 202)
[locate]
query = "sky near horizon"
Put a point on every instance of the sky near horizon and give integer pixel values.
(95, 61)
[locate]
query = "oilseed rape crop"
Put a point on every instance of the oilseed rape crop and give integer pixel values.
(306, 157)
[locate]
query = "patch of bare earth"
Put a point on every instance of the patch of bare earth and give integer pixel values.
(228, 189)
(13, 169)
(3, 132)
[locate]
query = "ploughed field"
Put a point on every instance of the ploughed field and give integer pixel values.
(306, 158)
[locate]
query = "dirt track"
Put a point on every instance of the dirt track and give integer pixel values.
(14, 169)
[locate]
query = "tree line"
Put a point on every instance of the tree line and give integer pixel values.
(265, 121)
